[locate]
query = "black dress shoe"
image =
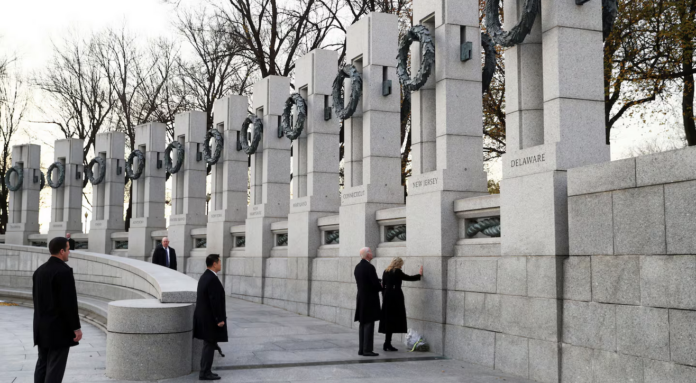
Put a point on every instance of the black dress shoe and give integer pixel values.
(360, 353)
(214, 374)
(208, 377)
(389, 348)
(370, 353)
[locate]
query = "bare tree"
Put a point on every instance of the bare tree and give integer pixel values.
(218, 68)
(14, 99)
(79, 93)
(274, 35)
(141, 79)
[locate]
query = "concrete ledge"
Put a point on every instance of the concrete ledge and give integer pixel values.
(666, 167)
(605, 176)
(477, 203)
(391, 214)
(149, 316)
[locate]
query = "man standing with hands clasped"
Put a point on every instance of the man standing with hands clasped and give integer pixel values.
(165, 255)
(209, 316)
(367, 309)
(56, 323)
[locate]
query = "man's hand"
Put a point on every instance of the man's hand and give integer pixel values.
(421, 271)
(221, 324)
(78, 336)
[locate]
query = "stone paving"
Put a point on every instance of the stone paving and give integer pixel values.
(266, 345)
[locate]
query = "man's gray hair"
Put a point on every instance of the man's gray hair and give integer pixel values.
(364, 251)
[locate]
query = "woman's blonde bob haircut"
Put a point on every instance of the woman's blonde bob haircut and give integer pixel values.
(396, 263)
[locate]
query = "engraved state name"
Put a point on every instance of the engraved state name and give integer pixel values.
(354, 194)
(428, 182)
(528, 160)
(299, 204)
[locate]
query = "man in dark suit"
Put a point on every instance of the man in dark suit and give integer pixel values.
(165, 255)
(209, 316)
(367, 309)
(70, 241)
(56, 322)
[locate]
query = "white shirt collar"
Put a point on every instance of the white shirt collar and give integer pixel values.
(212, 272)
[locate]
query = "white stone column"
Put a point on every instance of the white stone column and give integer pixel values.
(188, 190)
(534, 202)
(23, 217)
(228, 202)
(107, 196)
(270, 186)
(315, 171)
(66, 201)
(148, 191)
(372, 136)
(446, 129)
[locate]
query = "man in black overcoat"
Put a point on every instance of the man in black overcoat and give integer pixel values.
(70, 241)
(210, 316)
(165, 255)
(56, 322)
(367, 309)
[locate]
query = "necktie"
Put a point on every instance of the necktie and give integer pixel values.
(167, 250)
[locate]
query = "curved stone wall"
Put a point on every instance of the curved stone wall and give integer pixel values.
(141, 304)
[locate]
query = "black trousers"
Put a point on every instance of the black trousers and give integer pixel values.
(387, 339)
(207, 357)
(367, 335)
(50, 367)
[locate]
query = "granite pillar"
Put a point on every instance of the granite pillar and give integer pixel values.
(188, 187)
(107, 196)
(148, 191)
(228, 200)
(23, 217)
(372, 135)
(66, 201)
(270, 182)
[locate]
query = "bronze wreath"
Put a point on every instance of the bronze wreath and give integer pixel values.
(290, 132)
(129, 165)
(421, 34)
(61, 174)
(168, 157)
(20, 178)
(219, 141)
(258, 129)
(102, 170)
(355, 91)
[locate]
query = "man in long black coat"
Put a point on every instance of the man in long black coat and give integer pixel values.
(210, 316)
(165, 255)
(56, 321)
(367, 309)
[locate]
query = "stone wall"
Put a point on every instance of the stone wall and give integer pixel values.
(630, 291)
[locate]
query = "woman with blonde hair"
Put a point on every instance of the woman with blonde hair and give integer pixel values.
(393, 317)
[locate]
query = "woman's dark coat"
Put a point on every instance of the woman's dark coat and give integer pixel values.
(55, 305)
(393, 319)
(367, 306)
(210, 309)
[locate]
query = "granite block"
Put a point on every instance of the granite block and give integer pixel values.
(542, 279)
(613, 367)
(639, 221)
(682, 336)
(589, 324)
(666, 167)
(663, 372)
(616, 279)
(455, 307)
(577, 278)
(643, 331)
(543, 361)
(470, 345)
(477, 275)
(512, 275)
(590, 224)
(680, 217)
(668, 281)
(482, 311)
(602, 177)
(512, 354)
(577, 364)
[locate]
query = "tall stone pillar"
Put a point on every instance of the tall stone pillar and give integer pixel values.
(372, 136)
(66, 200)
(228, 200)
(270, 181)
(188, 189)
(447, 155)
(148, 191)
(107, 196)
(315, 170)
(534, 206)
(446, 129)
(23, 217)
